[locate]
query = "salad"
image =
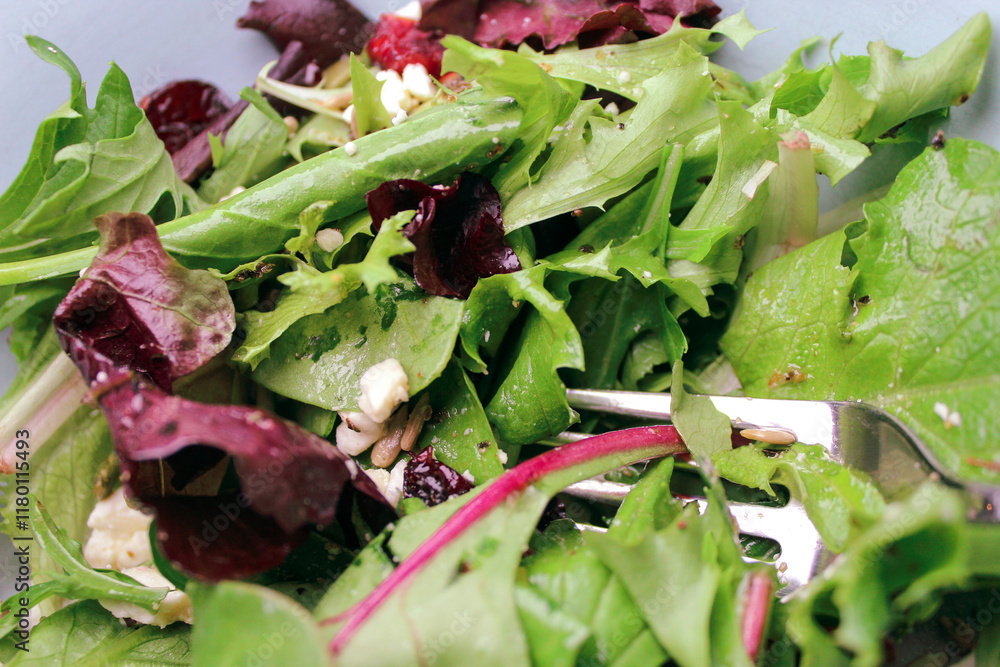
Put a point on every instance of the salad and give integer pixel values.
(292, 365)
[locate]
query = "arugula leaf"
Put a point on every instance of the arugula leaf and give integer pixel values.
(84, 634)
(840, 502)
(252, 145)
(239, 623)
(320, 358)
(905, 328)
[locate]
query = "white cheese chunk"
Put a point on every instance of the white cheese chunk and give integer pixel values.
(389, 483)
(176, 606)
(394, 96)
(119, 535)
(418, 83)
(383, 387)
(357, 432)
(329, 240)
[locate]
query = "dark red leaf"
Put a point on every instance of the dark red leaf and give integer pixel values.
(554, 22)
(214, 539)
(180, 110)
(139, 309)
(458, 231)
(432, 481)
(327, 28)
(398, 42)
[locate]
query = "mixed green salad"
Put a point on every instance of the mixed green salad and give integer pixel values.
(291, 368)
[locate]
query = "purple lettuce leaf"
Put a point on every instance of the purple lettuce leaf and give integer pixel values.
(431, 480)
(139, 309)
(553, 22)
(328, 29)
(458, 231)
(180, 110)
(174, 454)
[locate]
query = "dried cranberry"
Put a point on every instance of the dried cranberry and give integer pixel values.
(180, 110)
(398, 42)
(432, 481)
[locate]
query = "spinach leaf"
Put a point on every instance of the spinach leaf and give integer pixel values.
(115, 163)
(320, 358)
(530, 400)
(460, 432)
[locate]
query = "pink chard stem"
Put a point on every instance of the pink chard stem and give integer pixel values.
(756, 611)
(610, 450)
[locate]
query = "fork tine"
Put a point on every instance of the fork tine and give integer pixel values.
(802, 551)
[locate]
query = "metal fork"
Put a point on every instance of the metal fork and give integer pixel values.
(855, 434)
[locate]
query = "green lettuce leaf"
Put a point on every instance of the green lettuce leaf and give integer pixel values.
(596, 157)
(907, 328)
(320, 358)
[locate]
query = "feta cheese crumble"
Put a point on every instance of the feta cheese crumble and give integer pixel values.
(329, 240)
(383, 387)
(119, 535)
(357, 432)
(176, 606)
